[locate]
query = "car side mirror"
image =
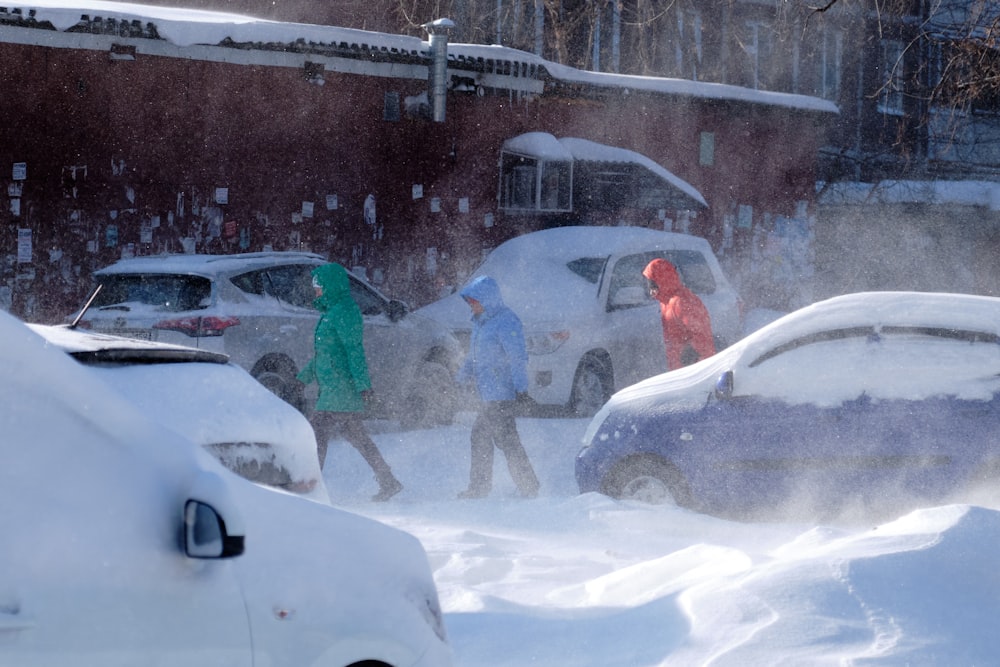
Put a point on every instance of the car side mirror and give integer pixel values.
(205, 534)
(396, 310)
(213, 523)
(724, 386)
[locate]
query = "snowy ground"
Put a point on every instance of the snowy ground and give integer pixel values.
(581, 581)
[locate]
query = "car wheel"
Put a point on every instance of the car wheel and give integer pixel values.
(431, 401)
(591, 387)
(647, 479)
(279, 378)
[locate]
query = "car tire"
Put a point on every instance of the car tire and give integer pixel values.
(279, 377)
(431, 401)
(647, 479)
(591, 387)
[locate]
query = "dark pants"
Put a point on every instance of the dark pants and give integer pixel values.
(495, 427)
(349, 426)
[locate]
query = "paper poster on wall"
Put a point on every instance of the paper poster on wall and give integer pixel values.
(331, 202)
(744, 219)
(146, 235)
(463, 204)
(418, 191)
(221, 195)
(23, 246)
(20, 171)
(307, 209)
(15, 207)
(488, 220)
(111, 236)
(435, 204)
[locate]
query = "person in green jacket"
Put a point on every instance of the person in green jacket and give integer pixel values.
(340, 369)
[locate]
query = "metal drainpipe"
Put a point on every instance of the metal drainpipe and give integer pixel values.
(438, 72)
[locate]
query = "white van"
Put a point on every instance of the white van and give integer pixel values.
(590, 324)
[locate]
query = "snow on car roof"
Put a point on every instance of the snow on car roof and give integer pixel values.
(932, 310)
(205, 265)
(562, 244)
(535, 280)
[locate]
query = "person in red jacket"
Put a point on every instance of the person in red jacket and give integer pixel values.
(687, 327)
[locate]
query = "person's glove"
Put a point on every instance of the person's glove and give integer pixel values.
(524, 400)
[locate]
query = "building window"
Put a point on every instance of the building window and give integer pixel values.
(758, 50)
(706, 153)
(688, 47)
(390, 107)
(528, 184)
(890, 96)
(832, 56)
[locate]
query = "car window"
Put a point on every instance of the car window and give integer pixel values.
(691, 267)
(812, 339)
(289, 284)
(164, 291)
(839, 361)
(368, 301)
(854, 361)
(588, 268)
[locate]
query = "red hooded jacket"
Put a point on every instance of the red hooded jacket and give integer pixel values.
(685, 319)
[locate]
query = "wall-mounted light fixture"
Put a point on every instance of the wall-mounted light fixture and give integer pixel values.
(122, 52)
(313, 73)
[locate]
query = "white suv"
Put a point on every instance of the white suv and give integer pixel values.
(257, 308)
(590, 324)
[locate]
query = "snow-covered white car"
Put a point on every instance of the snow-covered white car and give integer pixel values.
(590, 324)
(221, 407)
(258, 309)
(126, 544)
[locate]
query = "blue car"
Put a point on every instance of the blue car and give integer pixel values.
(859, 402)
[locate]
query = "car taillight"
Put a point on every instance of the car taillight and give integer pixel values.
(198, 327)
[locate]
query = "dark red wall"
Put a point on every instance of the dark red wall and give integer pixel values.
(188, 126)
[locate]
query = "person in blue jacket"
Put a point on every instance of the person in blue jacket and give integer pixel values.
(497, 364)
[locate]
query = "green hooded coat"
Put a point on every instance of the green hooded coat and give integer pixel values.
(338, 364)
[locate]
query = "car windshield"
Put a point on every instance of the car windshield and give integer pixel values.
(174, 293)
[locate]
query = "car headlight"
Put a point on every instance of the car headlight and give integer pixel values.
(545, 342)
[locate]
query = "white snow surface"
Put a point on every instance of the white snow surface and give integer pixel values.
(586, 581)
(188, 27)
(583, 580)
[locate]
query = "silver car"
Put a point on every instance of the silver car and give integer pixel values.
(257, 309)
(589, 323)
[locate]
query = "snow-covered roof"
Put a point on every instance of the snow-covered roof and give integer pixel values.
(961, 193)
(545, 146)
(584, 150)
(389, 54)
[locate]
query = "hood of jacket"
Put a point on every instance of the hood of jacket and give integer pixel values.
(663, 273)
(335, 283)
(486, 291)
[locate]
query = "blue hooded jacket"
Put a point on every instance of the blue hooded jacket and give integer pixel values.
(497, 359)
